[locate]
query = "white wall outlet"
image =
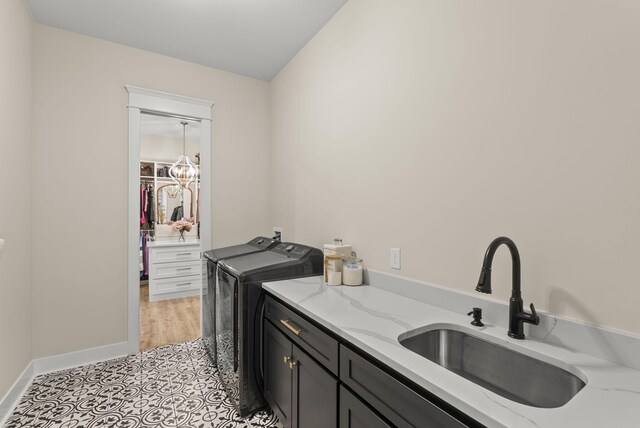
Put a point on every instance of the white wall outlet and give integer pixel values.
(395, 258)
(277, 232)
(1, 247)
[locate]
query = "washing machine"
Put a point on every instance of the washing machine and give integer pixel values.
(240, 310)
(213, 257)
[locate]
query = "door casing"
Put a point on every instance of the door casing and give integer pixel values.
(155, 102)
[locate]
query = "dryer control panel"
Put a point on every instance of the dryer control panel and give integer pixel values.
(293, 251)
(262, 242)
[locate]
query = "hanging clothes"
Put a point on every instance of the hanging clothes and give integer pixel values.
(151, 212)
(146, 256)
(141, 255)
(143, 202)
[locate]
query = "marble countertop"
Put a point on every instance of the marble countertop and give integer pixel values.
(372, 318)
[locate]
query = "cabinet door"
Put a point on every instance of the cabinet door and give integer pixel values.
(398, 403)
(315, 394)
(277, 373)
(355, 414)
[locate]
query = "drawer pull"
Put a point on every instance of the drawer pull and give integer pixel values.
(292, 364)
(184, 269)
(286, 359)
(183, 254)
(183, 283)
(291, 328)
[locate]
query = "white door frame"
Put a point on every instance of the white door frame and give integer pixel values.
(149, 101)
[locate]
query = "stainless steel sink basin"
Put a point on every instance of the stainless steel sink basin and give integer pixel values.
(508, 373)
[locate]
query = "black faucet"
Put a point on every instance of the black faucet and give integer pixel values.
(517, 314)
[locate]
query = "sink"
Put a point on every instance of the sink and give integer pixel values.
(511, 374)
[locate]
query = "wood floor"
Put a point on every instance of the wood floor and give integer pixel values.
(168, 321)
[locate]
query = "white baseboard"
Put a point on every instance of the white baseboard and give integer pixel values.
(55, 363)
(80, 358)
(15, 393)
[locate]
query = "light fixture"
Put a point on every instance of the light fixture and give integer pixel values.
(183, 171)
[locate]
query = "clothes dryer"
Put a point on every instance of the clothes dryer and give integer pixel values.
(239, 315)
(213, 257)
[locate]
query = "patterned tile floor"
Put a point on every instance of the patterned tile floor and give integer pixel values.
(167, 387)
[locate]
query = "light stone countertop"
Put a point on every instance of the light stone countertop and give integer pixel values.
(161, 243)
(372, 318)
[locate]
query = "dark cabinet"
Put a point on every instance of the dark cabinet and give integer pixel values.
(321, 346)
(302, 363)
(301, 392)
(278, 376)
(401, 405)
(355, 414)
(315, 393)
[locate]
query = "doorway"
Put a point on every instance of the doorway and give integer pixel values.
(169, 216)
(169, 225)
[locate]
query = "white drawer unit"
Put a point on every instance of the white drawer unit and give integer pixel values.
(175, 270)
(172, 285)
(175, 254)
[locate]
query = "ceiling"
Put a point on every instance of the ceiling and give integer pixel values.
(255, 38)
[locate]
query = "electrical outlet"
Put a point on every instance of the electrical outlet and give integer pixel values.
(395, 258)
(277, 233)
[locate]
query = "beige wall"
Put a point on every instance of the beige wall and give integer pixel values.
(15, 203)
(167, 149)
(80, 148)
(429, 126)
(436, 126)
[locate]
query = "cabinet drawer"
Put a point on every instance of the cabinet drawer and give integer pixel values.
(355, 414)
(173, 285)
(314, 341)
(402, 406)
(175, 269)
(175, 254)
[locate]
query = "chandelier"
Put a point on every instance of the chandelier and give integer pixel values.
(183, 171)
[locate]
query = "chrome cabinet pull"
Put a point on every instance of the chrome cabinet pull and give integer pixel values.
(183, 254)
(286, 359)
(291, 328)
(183, 269)
(292, 364)
(182, 283)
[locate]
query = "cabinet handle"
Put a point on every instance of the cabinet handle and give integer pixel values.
(182, 283)
(183, 254)
(292, 364)
(286, 359)
(291, 328)
(184, 269)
